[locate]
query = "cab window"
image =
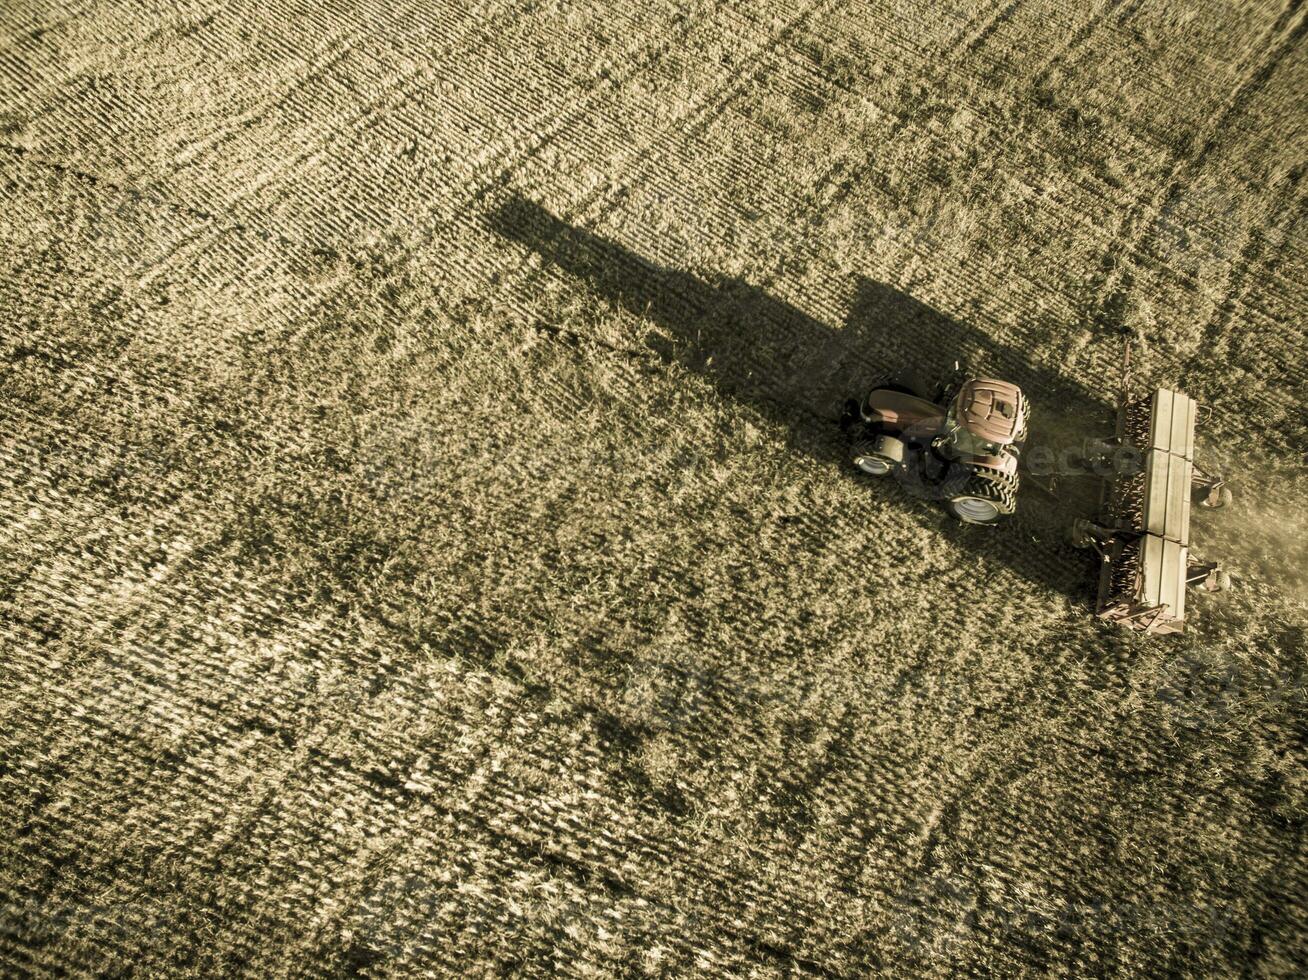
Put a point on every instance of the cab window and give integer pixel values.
(966, 443)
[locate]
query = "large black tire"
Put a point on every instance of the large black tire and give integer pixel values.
(985, 497)
(1023, 432)
(877, 455)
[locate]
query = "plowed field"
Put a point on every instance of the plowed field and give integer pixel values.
(426, 541)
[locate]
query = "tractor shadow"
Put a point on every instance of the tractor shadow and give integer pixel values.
(796, 371)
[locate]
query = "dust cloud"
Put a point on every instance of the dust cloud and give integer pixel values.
(1258, 536)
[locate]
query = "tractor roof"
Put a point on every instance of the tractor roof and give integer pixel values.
(990, 410)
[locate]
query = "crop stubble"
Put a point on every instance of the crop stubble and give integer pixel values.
(381, 595)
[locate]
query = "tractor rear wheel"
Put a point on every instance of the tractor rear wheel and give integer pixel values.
(984, 498)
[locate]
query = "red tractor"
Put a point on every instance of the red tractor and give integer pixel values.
(959, 445)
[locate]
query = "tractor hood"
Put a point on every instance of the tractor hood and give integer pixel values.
(990, 410)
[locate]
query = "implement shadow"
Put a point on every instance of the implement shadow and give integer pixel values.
(796, 371)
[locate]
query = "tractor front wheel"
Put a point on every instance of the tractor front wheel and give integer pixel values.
(984, 498)
(879, 455)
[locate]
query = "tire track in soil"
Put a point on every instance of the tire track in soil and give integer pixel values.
(545, 124)
(195, 509)
(608, 346)
(812, 524)
(1000, 17)
(24, 40)
(641, 57)
(216, 720)
(965, 40)
(394, 88)
(191, 153)
(1133, 236)
(1261, 253)
(322, 60)
(841, 178)
(635, 65)
(1080, 219)
(835, 184)
(1136, 253)
(392, 94)
(148, 763)
(587, 204)
(1121, 10)
(132, 308)
(694, 118)
(313, 70)
(1000, 129)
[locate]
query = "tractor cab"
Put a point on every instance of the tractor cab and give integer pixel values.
(986, 418)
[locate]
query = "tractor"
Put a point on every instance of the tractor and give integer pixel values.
(958, 444)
